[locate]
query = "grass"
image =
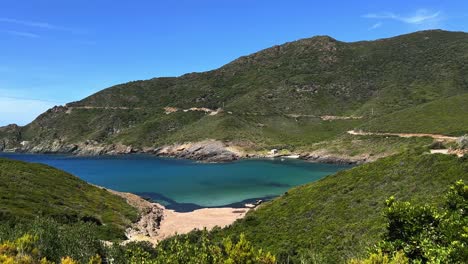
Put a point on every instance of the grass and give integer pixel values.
(445, 116)
(368, 146)
(28, 190)
(338, 217)
(264, 131)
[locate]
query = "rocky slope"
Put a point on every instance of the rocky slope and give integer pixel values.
(150, 217)
(210, 151)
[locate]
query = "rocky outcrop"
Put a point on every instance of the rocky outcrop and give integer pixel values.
(324, 155)
(10, 137)
(316, 157)
(88, 148)
(151, 216)
(149, 223)
(2, 145)
(207, 151)
(334, 159)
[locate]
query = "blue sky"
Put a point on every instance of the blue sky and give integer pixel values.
(57, 51)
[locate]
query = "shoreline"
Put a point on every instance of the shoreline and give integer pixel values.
(157, 223)
(207, 151)
(306, 157)
(313, 156)
(190, 207)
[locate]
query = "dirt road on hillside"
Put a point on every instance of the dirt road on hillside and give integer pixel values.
(405, 135)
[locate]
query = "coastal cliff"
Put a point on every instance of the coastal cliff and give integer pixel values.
(211, 151)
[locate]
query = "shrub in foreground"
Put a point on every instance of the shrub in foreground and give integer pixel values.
(424, 234)
(181, 250)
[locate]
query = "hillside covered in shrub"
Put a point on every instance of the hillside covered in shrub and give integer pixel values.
(29, 190)
(340, 216)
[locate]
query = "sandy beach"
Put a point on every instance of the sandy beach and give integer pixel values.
(158, 223)
(182, 223)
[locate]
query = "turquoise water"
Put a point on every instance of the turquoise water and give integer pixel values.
(186, 185)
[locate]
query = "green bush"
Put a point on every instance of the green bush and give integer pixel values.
(463, 142)
(425, 234)
(195, 248)
(55, 241)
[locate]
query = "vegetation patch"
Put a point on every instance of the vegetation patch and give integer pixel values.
(30, 190)
(339, 217)
(445, 116)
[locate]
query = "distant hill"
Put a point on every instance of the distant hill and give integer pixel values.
(29, 190)
(339, 216)
(279, 97)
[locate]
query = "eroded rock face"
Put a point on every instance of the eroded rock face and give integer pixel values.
(151, 215)
(149, 223)
(204, 151)
(85, 149)
(334, 159)
(2, 145)
(10, 137)
(208, 151)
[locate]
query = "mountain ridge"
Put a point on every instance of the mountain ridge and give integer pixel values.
(269, 99)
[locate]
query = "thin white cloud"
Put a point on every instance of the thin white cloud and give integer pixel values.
(420, 17)
(31, 99)
(39, 26)
(20, 33)
(42, 25)
(25, 95)
(376, 25)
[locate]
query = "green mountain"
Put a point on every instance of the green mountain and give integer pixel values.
(29, 190)
(300, 96)
(339, 217)
(288, 96)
